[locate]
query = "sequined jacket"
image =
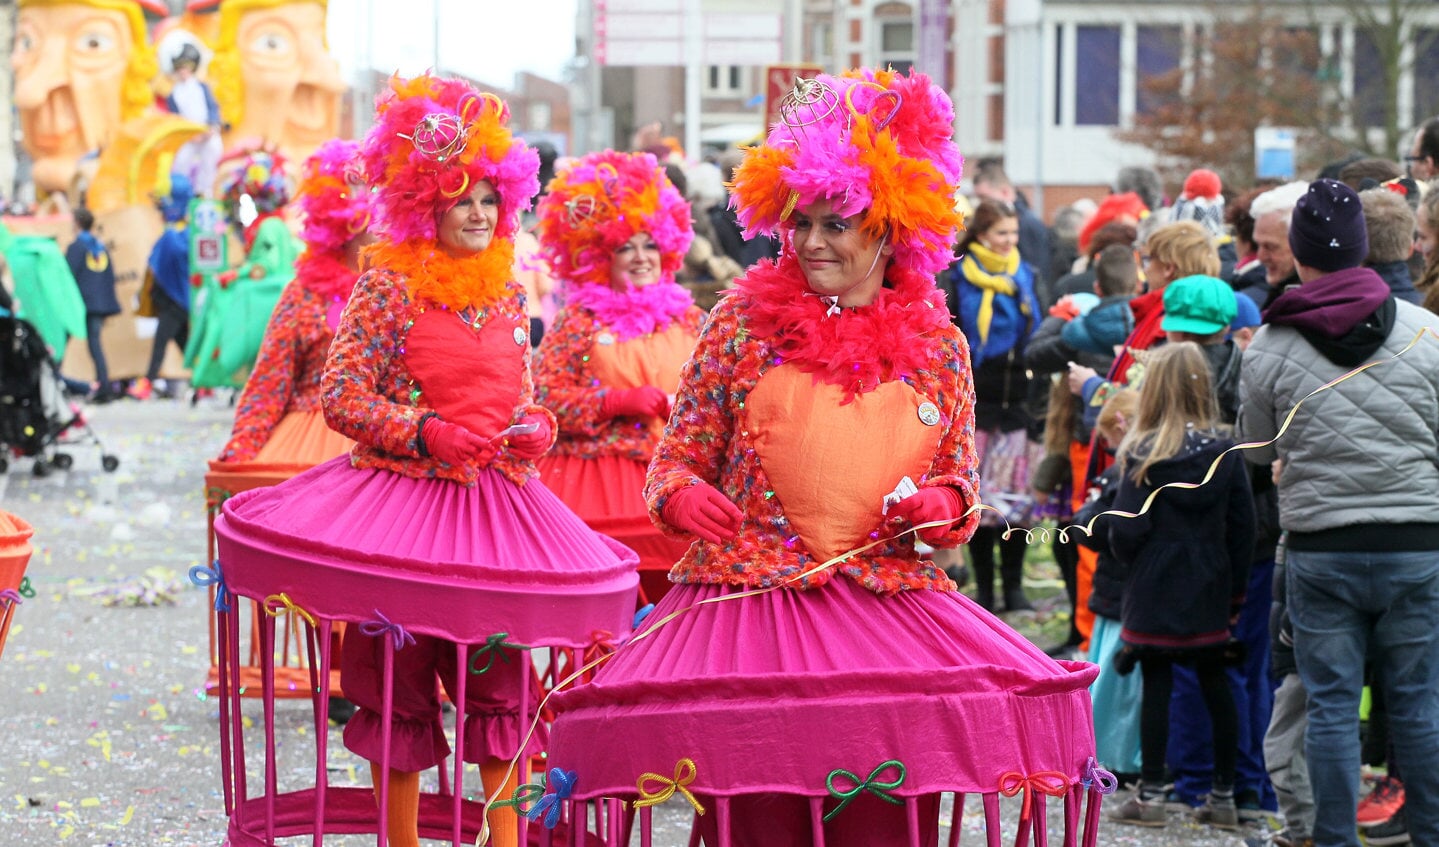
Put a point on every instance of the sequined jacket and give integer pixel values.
(370, 395)
(702, 442)
(566, 385)
(286, 376)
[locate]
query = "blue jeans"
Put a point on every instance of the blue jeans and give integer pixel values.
(1386, 605)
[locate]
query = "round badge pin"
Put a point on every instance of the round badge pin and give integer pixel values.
(604, 338)
(928, 413)
(519, 336)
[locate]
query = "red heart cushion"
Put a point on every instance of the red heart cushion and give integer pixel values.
(471, 377)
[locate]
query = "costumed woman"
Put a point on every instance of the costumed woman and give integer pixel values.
(615, 230)
(278, 420)
(234, 308)
(998, 312)
(822, 383)
(429, 374)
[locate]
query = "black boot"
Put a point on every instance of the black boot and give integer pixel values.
(981, 556)
(1011, 570)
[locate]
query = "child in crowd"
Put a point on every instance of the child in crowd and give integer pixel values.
(1186, 559)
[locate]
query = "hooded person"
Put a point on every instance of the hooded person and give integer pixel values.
(824, 381)
(168, 282)
(429, 374)
(1358, 499)
(615, 231)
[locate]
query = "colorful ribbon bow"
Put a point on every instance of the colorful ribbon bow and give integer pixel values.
(25, 590)
(684, 775)
(549, 805)
(1052, 783)
(1100, 779)
(494, 646)
(279, 604)
(203, 576)
(870, 783)
(11, 596)
(384, 626)
(530, 792)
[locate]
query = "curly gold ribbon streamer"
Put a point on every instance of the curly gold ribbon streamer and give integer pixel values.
(685, 771)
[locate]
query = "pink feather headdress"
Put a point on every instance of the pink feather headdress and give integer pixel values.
(432, 141)
(602, 201)
(872, 142)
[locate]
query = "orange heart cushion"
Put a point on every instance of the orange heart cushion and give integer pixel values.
(471, 377)
(831, 463)
(655, 359)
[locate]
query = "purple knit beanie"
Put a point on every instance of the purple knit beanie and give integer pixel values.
(1326, 230)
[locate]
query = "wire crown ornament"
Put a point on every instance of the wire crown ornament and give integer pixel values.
(438, 136)
(818, 97)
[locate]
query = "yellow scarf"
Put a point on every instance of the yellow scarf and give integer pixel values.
(992, 274)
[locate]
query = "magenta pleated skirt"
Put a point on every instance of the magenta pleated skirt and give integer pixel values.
(449, 563)
(771, 693)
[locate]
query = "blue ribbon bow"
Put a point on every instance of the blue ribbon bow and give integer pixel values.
(564, 784)
(203, 576)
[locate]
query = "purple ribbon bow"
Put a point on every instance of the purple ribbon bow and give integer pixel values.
(1102, 780)
(384, 626)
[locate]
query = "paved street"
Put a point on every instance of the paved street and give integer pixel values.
(108, 737)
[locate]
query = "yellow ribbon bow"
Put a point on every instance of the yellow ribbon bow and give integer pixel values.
(684, 775)
(1053, 783)
(278, 604)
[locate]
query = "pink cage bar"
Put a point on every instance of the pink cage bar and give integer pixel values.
(310, 599)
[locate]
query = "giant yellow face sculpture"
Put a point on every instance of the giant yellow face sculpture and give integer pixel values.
(81, 68)
(274, 77)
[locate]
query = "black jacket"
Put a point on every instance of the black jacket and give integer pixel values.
(1187, 558)
(1106, 597)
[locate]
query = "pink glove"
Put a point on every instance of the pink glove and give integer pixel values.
(531, 445)
(936, 503)
(702, 510)
(645, 401)
(453, 444)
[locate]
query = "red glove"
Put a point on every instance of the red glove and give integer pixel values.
(453, 444)
(936, 503)
(645, 401)
(702, 510)
(531, 445)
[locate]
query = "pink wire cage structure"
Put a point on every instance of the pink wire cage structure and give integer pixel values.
(310, 600)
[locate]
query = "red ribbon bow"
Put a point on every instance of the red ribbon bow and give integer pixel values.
(1053, 783)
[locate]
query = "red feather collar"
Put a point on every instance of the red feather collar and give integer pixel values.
(325, 274)
(858, 348)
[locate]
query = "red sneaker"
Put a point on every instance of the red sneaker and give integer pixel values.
(1380, 804)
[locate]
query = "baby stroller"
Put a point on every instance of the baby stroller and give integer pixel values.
(34, 414)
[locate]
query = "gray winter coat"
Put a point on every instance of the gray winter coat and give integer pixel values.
(1365, 451)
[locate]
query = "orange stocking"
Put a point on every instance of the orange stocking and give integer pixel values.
(504, 823)
(404, 808)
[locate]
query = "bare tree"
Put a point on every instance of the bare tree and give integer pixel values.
(1260, 64)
